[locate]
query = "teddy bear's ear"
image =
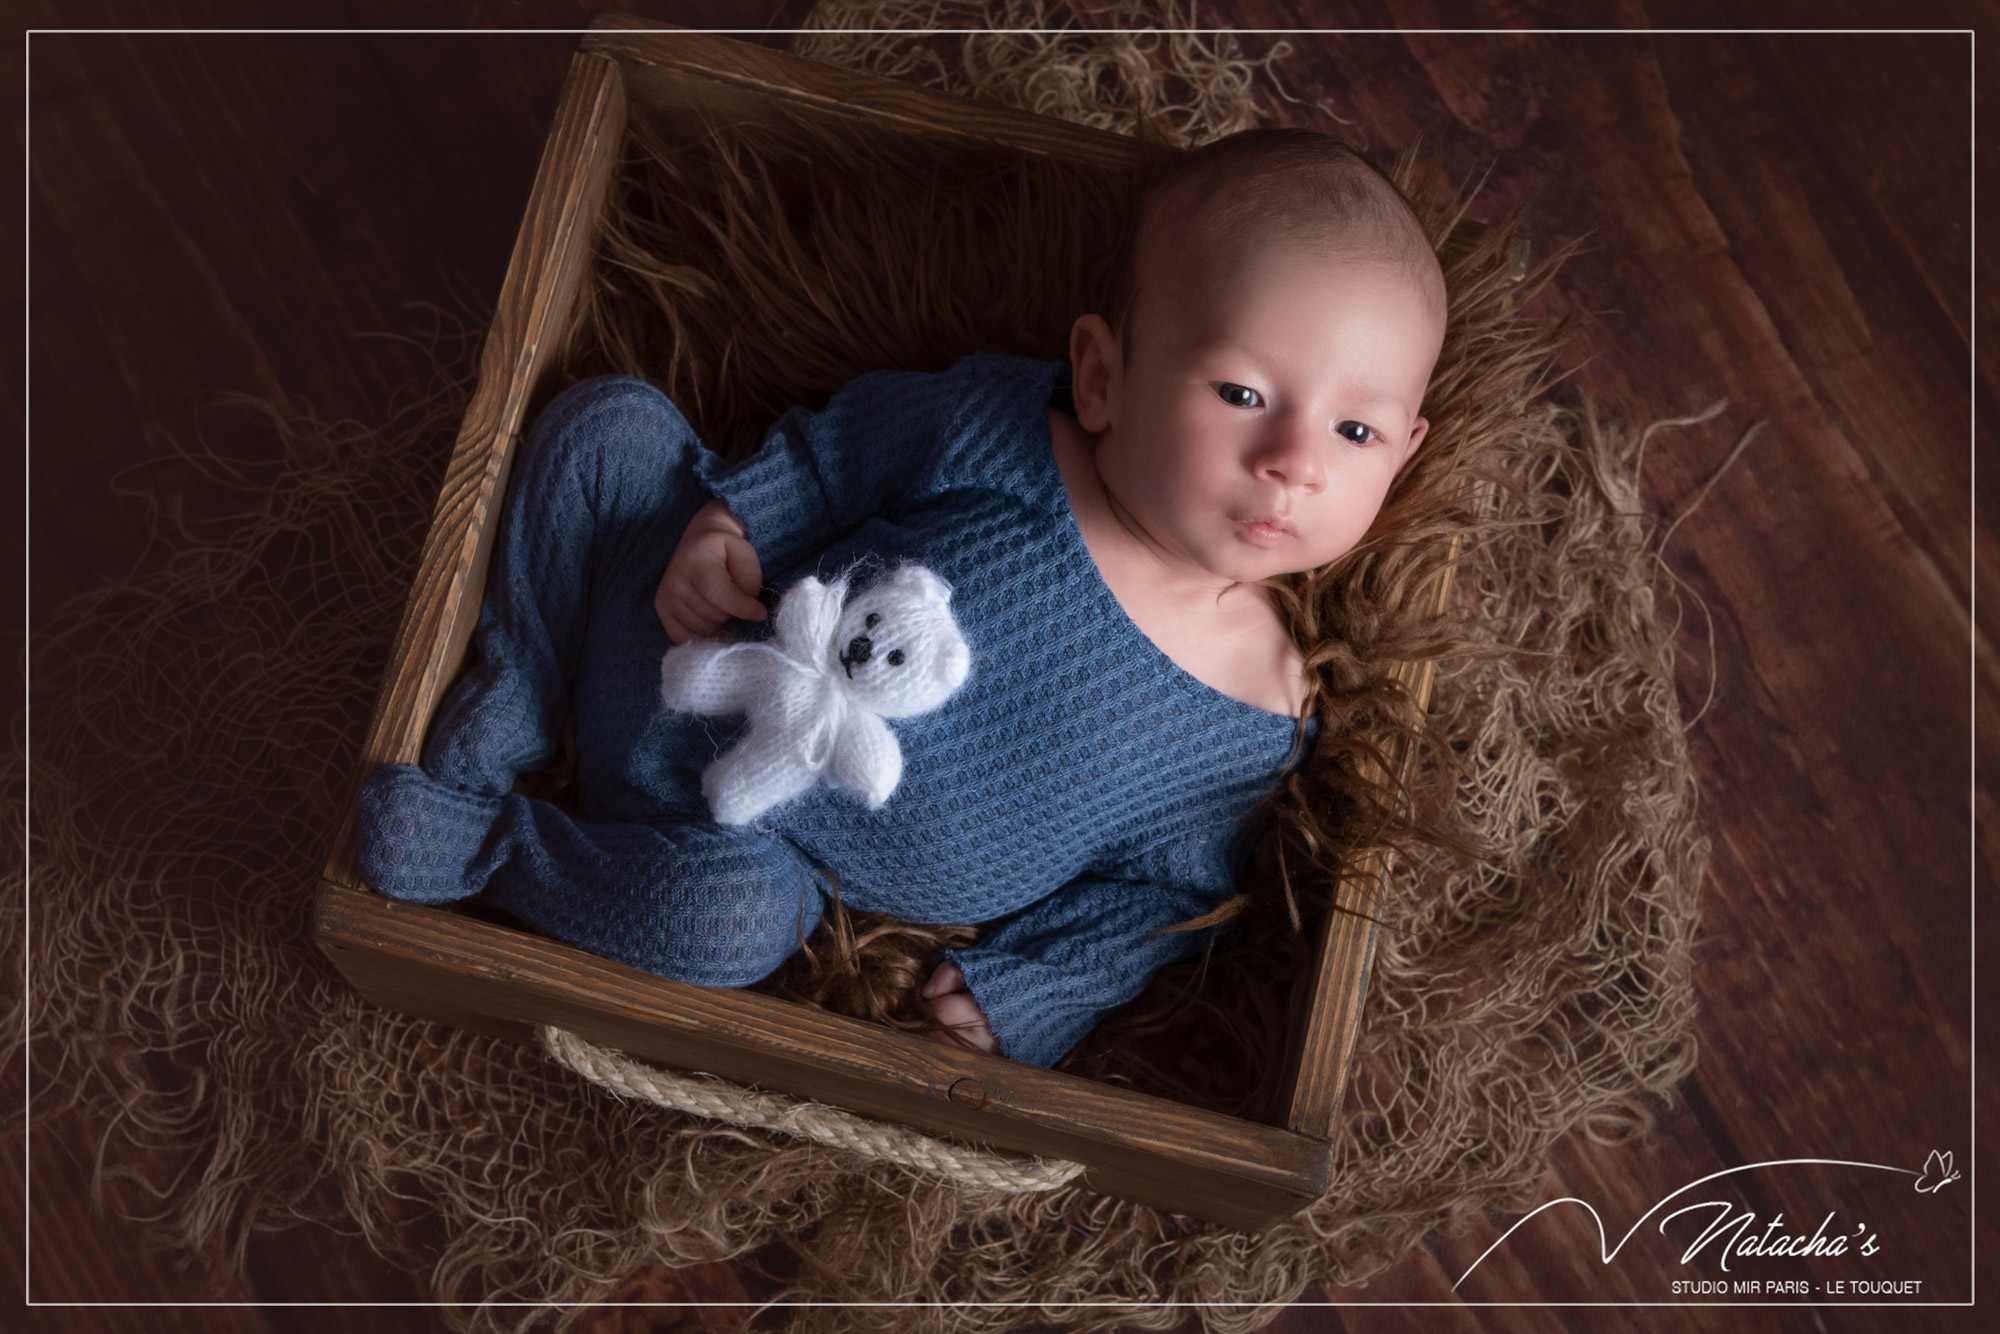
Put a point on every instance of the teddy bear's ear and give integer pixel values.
(954, 662)
(917, 579)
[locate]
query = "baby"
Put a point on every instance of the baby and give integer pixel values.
(1105, 530)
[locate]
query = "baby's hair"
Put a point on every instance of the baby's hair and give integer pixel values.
(1290, 184)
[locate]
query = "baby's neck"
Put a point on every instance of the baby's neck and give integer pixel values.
(1226, 635)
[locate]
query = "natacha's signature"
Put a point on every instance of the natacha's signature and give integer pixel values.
(1773, 1240)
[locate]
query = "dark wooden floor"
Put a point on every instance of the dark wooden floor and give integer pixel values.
(1782, 220)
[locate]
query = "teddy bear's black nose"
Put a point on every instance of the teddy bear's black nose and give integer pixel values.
(859, 649)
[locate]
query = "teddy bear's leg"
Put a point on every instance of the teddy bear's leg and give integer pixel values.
(758, 773)
(602, 490)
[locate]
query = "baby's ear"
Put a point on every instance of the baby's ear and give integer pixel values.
(1418, 430)
(1095, 362)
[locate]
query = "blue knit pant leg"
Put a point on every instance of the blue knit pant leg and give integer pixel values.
(601, 492)
(684, 897)
(689, 900)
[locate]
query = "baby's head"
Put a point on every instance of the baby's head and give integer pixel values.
(1275, 315)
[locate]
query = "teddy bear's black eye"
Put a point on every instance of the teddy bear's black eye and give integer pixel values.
(895, 657)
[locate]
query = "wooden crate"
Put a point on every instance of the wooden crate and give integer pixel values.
(452, 967)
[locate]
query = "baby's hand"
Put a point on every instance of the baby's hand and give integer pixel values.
(951, 1003)
(714, 575)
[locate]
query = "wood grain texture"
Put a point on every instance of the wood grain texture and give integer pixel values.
(1328, 996)
(501, 981)
(761, 74)
(1719, 182)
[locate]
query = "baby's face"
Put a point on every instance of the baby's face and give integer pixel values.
(1272, 398)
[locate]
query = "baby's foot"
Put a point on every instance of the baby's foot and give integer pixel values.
(952, 1005)
(497, 722)
(422, 840)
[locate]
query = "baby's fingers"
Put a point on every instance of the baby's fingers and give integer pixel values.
(680, 628)
(746, 574)
(680, 615)
(697, 608)
(667, 607)
(720, 591)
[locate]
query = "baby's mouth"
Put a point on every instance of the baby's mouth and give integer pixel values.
(1264, 530)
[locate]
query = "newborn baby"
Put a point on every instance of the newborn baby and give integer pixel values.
(1103, 530)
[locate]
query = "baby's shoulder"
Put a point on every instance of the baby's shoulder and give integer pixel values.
(984, 381)
(992, 423)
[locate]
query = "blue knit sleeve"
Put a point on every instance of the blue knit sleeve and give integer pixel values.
(1047, 975)
(886, 438)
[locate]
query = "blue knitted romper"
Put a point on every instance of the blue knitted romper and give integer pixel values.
(1079, 792)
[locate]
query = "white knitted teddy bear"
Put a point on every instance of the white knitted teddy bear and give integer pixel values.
(818, 689)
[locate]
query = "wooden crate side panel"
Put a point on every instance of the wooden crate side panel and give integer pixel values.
(1326, 1005)
(547, 267)
(502, 981)
(535, 302)
(661, 61)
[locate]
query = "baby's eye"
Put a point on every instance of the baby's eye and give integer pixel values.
(873, 617)
(1354, 431)
(895, 657)
(1237, 396)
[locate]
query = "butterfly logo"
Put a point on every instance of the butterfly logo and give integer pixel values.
(1938, 1173)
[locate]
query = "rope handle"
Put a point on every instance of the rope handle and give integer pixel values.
(718, 1099)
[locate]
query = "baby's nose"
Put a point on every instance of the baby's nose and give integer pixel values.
(859, 648)
(1290, 455)
(1293, 472)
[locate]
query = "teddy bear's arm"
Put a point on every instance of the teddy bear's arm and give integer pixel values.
(867, 760)
(808, 616)
(708, 677)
